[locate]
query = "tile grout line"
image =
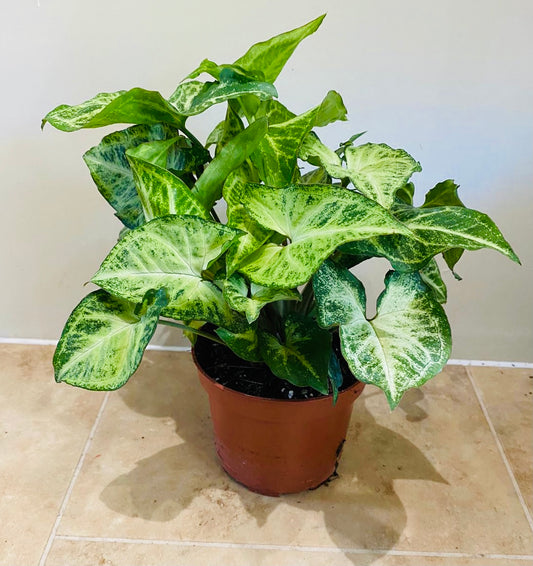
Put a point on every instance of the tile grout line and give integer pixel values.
(70, 488)
(325, 549)
(501, 450)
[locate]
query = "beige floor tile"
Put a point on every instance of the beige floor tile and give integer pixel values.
(427, 477)
(43, 429)
(85, 553)
(508, 396)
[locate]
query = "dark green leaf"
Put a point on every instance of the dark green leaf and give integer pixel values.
(302, 357)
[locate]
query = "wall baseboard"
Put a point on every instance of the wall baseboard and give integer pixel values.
(452, 362)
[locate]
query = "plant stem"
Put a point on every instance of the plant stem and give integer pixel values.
(190, 329)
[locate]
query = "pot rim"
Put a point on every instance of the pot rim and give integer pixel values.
(358, 386)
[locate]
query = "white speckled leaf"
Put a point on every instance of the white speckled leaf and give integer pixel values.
(254, 235)
(316, 219)
(171, 253)
(434, 230)
(135, 106)
(403, 346)
(193, 97)
(277, 155)
(269, 57)
(162, 193)
(104, 339)
(377, 170)
(111, 171)
(432, 278)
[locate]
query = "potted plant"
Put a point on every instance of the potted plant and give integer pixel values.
(232, 242)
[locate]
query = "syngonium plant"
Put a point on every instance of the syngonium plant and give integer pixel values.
(275, 280)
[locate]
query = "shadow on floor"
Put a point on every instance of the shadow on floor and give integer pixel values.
(185, 484)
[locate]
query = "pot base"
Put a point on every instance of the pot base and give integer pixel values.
(278, 446)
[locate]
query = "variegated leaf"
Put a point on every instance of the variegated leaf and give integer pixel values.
(171, 253)
(135, 106)
(104, 339)
(208, 188)
(269, 57)
(319, 154)
(277, 154)
(377, 171)
(250, 300)
(245, 343)
(432, 278)
(254, 235)
(193, 97)
(434, 230)
(316, 219)
(111, 171)
(403, 346)
(155, 152)
(162, 193)
(302, 357)
(445, 194)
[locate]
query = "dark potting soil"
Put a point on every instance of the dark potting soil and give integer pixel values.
(256, 379)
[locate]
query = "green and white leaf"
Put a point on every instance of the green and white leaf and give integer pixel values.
(303, 357)
(250, 300)
(377, 171)
(193, 97)
(315, 152)
(135, 106)
(316, 219)
(111, 171)
(445, 194)
(432, 278)
(245, 344)
(277, 154)
(104, 340)
(208, 188)
(408, 341)
(269, 57)
(434, 230)
(171, 253)
(254, 235)
(162, 193)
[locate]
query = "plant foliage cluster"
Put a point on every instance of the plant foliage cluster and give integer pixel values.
(275, 280)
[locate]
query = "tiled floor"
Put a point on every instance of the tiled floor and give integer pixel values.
(130, 478)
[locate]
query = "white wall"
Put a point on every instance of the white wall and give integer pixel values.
(451, 82)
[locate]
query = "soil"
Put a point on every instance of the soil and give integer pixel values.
(256, 379)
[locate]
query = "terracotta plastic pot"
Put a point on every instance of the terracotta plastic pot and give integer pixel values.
(278, 446)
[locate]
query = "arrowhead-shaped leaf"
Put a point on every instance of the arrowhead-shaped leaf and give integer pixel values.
(316, 219)
(407, 342)
(111, 171)
(135, 106)
(171, 253)
(254, 235)
(434, 230)
(269, 57)
(251, 300)
(208, 188)
(193, 97)
(377, 170)
(162, 193)
(445, 194)
(302, 357)
(277, 154)
(104, 340)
